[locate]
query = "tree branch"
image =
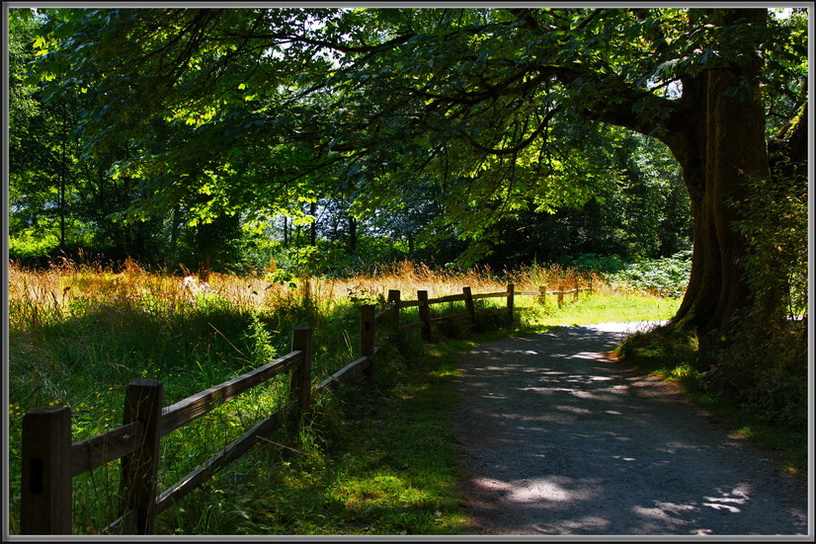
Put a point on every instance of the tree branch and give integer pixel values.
(520, 145)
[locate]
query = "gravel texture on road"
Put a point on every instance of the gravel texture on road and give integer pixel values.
(558, 439)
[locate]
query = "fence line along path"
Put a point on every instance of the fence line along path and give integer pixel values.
(50, 460)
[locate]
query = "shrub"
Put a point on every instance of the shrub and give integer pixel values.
(765, 366)
(27, 245)
(667, 276)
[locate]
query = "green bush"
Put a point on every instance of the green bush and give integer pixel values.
(765, 367)
(666, 277)
(27, 244)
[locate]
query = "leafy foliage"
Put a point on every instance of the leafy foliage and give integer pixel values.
(468, 126)
(767, 368)
(402, 109)
(667, 276)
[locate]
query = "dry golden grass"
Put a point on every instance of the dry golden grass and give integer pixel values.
(67, 289)
(409, 277)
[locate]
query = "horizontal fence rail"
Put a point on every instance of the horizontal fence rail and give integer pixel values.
(103, 448)
(201, 403)
(45, 510)
(50, 460)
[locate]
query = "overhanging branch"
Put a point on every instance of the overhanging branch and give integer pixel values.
(520, 145)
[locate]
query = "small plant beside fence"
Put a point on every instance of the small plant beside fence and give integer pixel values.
(50, 460)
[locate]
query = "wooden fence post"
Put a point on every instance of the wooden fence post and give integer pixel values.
(560, 298)
(542, 298)
(424, 315)
(367, 332)
(469, 304)
(143, 403)
(511, 295)
(300, 381)
(46, 478)
(394, 297)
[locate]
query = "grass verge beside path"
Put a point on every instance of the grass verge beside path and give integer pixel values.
(379, 459)
(594, 308)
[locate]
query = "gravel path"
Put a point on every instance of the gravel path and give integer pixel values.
(559, 440)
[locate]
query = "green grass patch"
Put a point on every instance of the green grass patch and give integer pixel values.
(593, 308)
(379, 458)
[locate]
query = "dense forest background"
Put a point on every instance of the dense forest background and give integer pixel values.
(316, 141)
(66, 201)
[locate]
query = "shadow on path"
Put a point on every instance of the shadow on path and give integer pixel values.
(560, 440)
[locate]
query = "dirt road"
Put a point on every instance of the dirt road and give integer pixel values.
(559, 440)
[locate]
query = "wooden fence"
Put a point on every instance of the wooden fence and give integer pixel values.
(50, 460)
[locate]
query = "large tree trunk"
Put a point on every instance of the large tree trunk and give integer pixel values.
(716, 131)
(720, 144)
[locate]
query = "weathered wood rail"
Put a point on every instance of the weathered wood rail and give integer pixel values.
(50, 460)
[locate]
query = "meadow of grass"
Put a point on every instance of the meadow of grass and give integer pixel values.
(377, 458)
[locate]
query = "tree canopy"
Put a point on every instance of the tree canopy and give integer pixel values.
(488, 113)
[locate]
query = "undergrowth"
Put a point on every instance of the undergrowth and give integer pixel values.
(79, 334)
